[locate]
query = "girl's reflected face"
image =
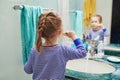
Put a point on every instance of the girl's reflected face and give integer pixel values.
(94, 22)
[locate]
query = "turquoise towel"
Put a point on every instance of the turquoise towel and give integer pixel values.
(29, 22)
(78, 24)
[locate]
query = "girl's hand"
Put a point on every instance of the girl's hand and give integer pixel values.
(93, 25)
(104, 29)
(70, 34)
(101, 26)
(84, 34)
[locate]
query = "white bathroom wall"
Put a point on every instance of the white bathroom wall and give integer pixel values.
(11, 65)
(104, 8)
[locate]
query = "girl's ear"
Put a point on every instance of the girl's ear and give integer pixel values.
(60, 31)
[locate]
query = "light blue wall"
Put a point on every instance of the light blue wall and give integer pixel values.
(11, 66)
(80, 4)
(73, 6)
(76, 4)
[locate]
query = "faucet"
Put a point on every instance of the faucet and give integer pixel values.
(92, 48)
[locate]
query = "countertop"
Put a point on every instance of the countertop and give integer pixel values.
(75, 75)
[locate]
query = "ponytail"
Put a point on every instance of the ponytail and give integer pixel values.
(39, 42)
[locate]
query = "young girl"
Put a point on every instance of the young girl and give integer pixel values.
(47, 61)
(97, 32)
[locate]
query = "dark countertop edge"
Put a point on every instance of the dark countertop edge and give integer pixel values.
(91, 76)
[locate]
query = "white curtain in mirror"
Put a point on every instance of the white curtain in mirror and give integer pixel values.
(63, 9)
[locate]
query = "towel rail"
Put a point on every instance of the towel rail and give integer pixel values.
(20, 7)
(72, 11)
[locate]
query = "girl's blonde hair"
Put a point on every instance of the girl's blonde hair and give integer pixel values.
(48, 24)
(99, 16)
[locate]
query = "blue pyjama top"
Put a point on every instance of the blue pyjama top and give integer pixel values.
(50, 63)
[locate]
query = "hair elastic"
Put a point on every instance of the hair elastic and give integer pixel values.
(39, 33)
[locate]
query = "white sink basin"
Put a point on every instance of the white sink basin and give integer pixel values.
(89, 66)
